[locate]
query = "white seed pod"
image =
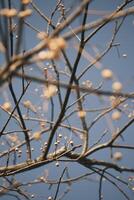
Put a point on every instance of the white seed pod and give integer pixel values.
(32, 149)
(116, 115)
(50, 198)
(25, 13)
(7, 106)
(28, 104)
(48, 55)
(117, 86)
(19, 151)
(55, 44)
(60, 135)
(56, 143)
(13, 138)
(57, 164)
(42, 178)
(81, 113)
(88, 84)
(32, 195)
(71, 142)
(8, 12)
(25, 1)
(117, 156)
(37, 135)
(124, 55)
(50, 91)
(107, 73)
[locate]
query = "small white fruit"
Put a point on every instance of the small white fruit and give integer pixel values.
(117, 86)
(81, 113)
(107, 73)
(116, 115)
(117, 156)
